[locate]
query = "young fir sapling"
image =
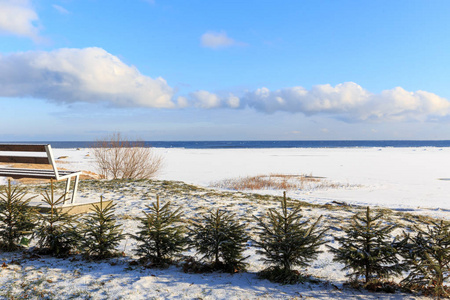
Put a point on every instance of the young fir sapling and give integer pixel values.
(286, 240)
(160, 236)
(427, 255)
(56, 233)
(100, 234)
(368, 250)
(222, 239)
(17, 218)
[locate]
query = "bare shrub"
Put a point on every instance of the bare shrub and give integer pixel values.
(116, 157)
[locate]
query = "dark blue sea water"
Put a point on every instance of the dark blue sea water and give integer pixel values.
(265, 144)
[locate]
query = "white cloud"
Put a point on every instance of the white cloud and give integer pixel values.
(61, 9)
(233, 101)
(350, 101)
(17, 17)
(204, 99)
(93, 75)
(216, 40)
(207, 100)
(182, 102)
(80, 75)
(347, 101)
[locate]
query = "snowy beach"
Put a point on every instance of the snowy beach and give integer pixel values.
(410, 180)
(398, 178)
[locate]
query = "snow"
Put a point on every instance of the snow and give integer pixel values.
(403, 179)
(398, 178)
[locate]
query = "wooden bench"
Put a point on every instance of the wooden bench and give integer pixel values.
(46, 157)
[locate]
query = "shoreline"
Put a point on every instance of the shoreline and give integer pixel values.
(266, 144)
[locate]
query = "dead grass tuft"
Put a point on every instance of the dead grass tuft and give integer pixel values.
(277, 182)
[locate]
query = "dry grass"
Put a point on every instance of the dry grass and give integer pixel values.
(277, 182)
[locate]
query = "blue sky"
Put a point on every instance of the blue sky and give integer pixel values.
(224, 70)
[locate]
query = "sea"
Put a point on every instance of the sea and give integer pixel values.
(264, 144)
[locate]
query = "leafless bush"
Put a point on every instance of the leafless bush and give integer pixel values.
(118, 158)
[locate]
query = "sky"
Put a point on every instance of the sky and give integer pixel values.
(79, 70)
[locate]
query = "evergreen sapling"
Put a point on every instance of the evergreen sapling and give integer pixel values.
(428, 256)
(285, 241)
(17, 218)
(160, 236)
(367, 249)
(222, 239)
(56, 234)
(101, 235)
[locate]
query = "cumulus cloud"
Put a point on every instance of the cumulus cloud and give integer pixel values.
(321, 98)
(216, 40)
(80, 75)
(347, 101)
(93, 75)
(207, 100)
(233, 101)
(204, 99)
(182, 102)
(17, 17)
(351, 102)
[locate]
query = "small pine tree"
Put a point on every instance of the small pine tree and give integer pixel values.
(160, 236)
(17, 218)
(366, 249)
(56, 234)
(221, 239)
(428, 256)
(100, 233)
(286, 241)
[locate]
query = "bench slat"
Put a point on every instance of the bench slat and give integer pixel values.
(32, 173)
(36, 176)
(39, 171)
(9, 170)
(22, 147)
(25, 159)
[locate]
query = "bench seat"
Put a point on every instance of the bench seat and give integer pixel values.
(13, 154)
(16, 173)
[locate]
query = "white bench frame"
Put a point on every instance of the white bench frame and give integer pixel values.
(54, 173)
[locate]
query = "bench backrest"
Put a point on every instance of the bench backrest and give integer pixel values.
(25, 158)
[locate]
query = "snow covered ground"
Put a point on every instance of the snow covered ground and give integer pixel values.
(398, 178)
(403, 179)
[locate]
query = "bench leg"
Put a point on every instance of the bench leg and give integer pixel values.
(67, 190)
(75, 187)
